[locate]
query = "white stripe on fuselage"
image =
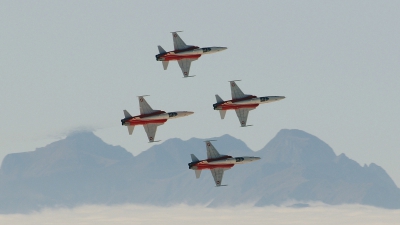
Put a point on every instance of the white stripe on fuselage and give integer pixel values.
(236, 160)
(261, 100)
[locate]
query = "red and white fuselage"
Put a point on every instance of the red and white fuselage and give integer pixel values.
(225, 161)
(158, 117)
(250, 102)
(192, 52)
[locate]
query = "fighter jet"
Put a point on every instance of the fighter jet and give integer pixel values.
(149, 118)
(184, 54)
(217, 163)
(241, 103)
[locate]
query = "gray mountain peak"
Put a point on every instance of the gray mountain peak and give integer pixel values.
(82, 169)
(296, 146)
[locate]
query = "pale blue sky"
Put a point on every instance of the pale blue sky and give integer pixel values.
(77, 64)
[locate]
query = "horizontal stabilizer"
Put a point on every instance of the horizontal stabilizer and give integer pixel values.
(165, 64)
(223, 185)
(161, 50)
(127, 115)
(222, 113)
(194, 158)
(130, 129)
(198, 172)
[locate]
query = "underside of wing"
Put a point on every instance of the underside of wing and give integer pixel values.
(212, 153)
(145, 108)
(179, 44)
(217, 173)
(242, 115)
(151, 130)
(185, 66)
(236, 92)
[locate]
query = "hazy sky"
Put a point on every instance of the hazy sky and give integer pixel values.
(70, 65)
(198, 215)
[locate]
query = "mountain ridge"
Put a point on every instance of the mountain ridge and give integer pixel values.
(82, 169)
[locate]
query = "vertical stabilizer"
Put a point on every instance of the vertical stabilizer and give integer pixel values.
(161, 50)
(127, 115)
(194, 158)
(198, 172)
(219, 99)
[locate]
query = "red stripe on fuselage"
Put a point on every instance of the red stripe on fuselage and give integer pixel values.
(169, 56)
(204, 164)
(134, 122)
(179, 57)
(230, 104)
(213, 166)
(141, 119)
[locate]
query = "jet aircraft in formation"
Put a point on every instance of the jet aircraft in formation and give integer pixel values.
(149, 118)
(217, 163)
(241, 103)
(184, 54)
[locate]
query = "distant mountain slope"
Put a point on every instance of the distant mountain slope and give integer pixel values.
(82, 169)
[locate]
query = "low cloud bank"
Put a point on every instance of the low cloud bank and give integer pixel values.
(199, 215)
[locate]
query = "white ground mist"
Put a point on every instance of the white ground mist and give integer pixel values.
(193, 215)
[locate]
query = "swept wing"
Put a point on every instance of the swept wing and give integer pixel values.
(179, 44)
(218, 173)
(151, 130)
(242, 114)
(212, 153)
(185, 66)
(236, 92)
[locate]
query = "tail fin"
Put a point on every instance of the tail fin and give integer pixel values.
(194, 158)
(219, 99)
(161, 50)
(164, 63)
(130, 129)
(127, 115)
(197, 172)
(222, 114)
